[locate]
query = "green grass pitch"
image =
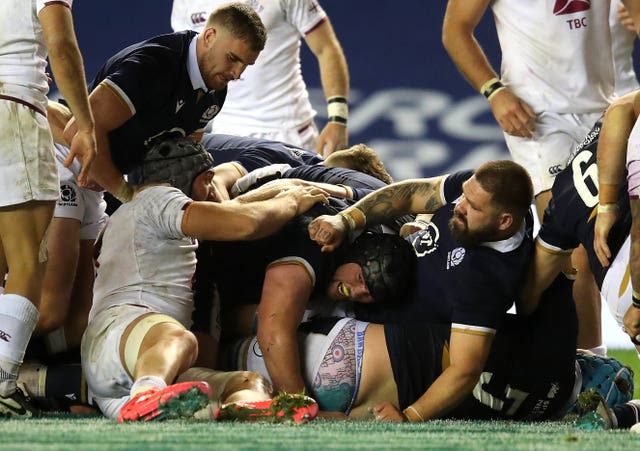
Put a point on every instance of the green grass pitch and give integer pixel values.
(63, 433)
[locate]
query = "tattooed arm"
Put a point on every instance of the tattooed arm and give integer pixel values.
(387, 203)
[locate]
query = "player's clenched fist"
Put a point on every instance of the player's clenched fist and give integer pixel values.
(328, 231)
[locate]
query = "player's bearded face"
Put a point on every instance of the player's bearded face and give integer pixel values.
(471, 235)
(474, 219)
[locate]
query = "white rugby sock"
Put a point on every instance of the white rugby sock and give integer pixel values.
(145, 383)
(18, 318)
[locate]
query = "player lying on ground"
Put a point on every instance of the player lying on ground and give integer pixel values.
(369, 370)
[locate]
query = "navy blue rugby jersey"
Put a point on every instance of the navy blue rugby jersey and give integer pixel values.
(335, 176)
(468, 287)
(254, 153)
(152, 78)
(569, 219)
(521, 379)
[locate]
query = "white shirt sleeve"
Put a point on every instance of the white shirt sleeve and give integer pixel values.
(303, 14)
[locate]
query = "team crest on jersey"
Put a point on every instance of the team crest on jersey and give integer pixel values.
(570, 6)
(455, 257)
(426, 240)
(209, 113)
(68, 196)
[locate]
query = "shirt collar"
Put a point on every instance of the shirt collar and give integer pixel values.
(193, 69)
(508, 244)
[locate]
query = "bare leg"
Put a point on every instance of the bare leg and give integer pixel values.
(231, 386)
(60, 273)
(587, 299)
(166, 351)
(81, 295)
(23, 228)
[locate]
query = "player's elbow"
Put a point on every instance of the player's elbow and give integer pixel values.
(269, 340)
(468, 379)
(454, 35)
(467, 375)
(449, 35)
(446, 37)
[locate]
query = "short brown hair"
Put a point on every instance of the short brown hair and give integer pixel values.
(360, 158)
(509, 185)
(242, 22)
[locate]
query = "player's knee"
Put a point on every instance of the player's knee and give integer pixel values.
(187, 344)
(172, 339)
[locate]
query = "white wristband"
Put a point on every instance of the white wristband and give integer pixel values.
(338, 109)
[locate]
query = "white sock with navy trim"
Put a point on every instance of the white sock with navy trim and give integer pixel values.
(18, 319)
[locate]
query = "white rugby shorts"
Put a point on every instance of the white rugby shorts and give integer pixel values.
(85, 205)
(27, 164)
(546, 154)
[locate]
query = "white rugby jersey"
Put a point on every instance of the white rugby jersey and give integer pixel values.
(271, 94)
(556, 54)
(622, 46)
(144, 258)
(23, 54)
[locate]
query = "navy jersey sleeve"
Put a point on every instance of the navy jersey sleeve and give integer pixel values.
(556, 233)
(254, 153)
(145, 77)
(334, 176)
(452, 188)
(147, 73)
(359, 193)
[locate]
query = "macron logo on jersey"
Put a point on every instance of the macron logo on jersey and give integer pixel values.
(570, 6)
(179, 105)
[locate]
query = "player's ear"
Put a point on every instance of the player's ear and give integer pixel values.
(505, 221)
(208, 177)
(209, 35)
